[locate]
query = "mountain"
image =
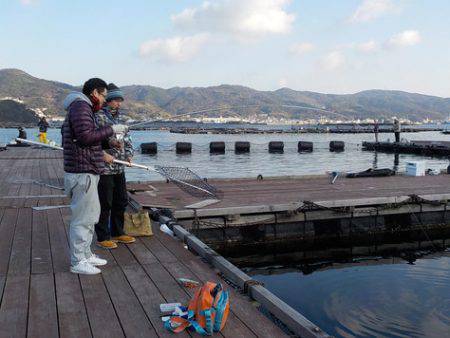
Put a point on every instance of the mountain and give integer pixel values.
(13, 113)
(36, 93)
(143, 102)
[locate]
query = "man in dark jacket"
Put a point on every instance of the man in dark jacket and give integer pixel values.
(84, 161)
(112, 190)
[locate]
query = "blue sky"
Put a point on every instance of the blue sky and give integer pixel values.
(331, 46)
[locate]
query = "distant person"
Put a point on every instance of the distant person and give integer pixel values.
(376, 127)
(112, 189)
(84, 161)
(22, 133)
(43, 126)
(397, 129)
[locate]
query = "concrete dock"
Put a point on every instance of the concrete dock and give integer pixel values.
(41, 298)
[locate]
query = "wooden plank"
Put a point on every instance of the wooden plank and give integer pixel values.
(234, 327)
(149, 297)
(58, 241)
(141, 253)
(179, 270)
(34, 189)
(41, 257)
(19, 262)
(202, 204)
(175, 246)
(14, 307)
(123, 256)
(230, 271)
(241, 305)
(24, 197)
(187, 214)
(102, 317)
(2, 285)
(7, 227)
(166, 284)
(42, 317)
(132, 316)
(105, 254)
(72, 317)
(158, 250)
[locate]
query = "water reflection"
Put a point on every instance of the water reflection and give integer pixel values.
(396, 162)
(377, 298)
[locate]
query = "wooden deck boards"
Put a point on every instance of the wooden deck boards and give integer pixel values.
(252, 193)
(39, 297)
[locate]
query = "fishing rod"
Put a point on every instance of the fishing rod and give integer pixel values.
(183, 178)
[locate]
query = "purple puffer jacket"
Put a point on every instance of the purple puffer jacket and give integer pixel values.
(81, 137)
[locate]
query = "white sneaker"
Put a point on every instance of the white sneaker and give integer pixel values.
(85, 268)
(96, 261)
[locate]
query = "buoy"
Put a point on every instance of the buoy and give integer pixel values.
(276, 147)
(305, 146)
(217, 147)
(337, 145)
(149, 148)
(183, 147)
(242, 147)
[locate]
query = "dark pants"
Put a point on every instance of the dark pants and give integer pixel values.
(397, 136)
(113, 197)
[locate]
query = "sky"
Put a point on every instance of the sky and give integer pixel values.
(329, 46)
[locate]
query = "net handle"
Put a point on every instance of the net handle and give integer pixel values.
(131, 164)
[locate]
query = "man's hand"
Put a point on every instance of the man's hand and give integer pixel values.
(129, 159)
(108, 158)
(116, 144)
(119, 128)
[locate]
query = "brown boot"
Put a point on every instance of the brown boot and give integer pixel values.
(124, 239)
(107, 244)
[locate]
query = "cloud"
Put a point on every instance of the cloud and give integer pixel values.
(301, 48)
(250, 19)
(370, 10)
(283, 82)
(28, 2)
(404, 39)
(175, 49)
(333, 60)
(368, 46)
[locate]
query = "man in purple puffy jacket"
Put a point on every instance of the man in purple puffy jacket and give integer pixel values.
(84, 161)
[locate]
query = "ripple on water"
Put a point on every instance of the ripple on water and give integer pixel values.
(386, 300)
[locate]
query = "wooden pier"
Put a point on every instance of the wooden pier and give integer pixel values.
(273, 194)
(362, 216)
(41, 298)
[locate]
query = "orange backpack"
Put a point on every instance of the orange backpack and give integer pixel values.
(207, 311)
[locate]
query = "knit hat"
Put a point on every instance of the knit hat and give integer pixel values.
(114, 93)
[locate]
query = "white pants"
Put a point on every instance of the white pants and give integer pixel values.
(85, 207)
